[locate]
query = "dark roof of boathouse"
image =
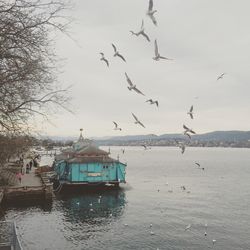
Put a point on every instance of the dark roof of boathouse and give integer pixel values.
(91, 150)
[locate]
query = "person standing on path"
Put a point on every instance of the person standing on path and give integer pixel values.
(19, 177)
(31, 163)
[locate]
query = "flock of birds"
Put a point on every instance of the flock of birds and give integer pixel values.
(132, 87)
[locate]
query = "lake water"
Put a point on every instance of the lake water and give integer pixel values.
(219, 196)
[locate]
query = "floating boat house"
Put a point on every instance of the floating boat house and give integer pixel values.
(86, 164)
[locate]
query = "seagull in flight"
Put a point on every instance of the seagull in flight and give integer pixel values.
(116, 126)
(191, 112)
(104, 59)
(141, 32)
(153, 102)
(151, 12)
(132, 86)
(187, 134)
(199, 166)
(137, 121)
(188, 227)
(145, 147)
(221, 76)
(182, 147)
(117, 53)
(188, 130)
(157, 54)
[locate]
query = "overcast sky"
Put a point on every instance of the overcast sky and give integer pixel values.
(204, 37)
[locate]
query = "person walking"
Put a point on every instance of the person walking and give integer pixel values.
(19, 177)
(27, 168)
(31, 163)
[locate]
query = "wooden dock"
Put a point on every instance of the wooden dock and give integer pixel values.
(32, 187)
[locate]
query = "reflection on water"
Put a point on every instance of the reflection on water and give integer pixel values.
(94, 207)
(72, 220)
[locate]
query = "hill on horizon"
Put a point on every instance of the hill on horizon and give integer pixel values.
(233, 135)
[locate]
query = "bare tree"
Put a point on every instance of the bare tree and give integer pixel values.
(28, 69)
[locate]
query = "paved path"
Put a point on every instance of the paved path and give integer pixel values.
(29, 179)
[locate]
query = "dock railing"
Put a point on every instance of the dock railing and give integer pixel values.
(8, 236)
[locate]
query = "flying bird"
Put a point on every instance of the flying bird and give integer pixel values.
(132, 86)
(221, 76)
(153, 102)
(141, 32)
(188, 129)
(191, 112)
(182, 147)
(137, 121)
(145, 147)
(187, 134)
(117, 53)
(151, 12)
(157, 54)
(198, 164)
(188, 227)
(116, 126)
(104, 59)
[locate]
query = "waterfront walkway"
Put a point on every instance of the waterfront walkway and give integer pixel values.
(28, 180)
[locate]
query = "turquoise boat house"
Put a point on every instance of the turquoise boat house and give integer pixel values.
(87, 164)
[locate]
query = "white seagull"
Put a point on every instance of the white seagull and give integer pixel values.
(191, 112)
(151, 12)
(188, 227)
(182, 147)
(221, 76)
(116, 126)
(188, 129)
(187, 134)
(141, 32)
(198, 164)
(153, 102)
(104, 59)
(132, 86)
(137, 121)
(117, 53)
(157, 54)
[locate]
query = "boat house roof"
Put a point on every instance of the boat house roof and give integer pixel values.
(85, 151)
